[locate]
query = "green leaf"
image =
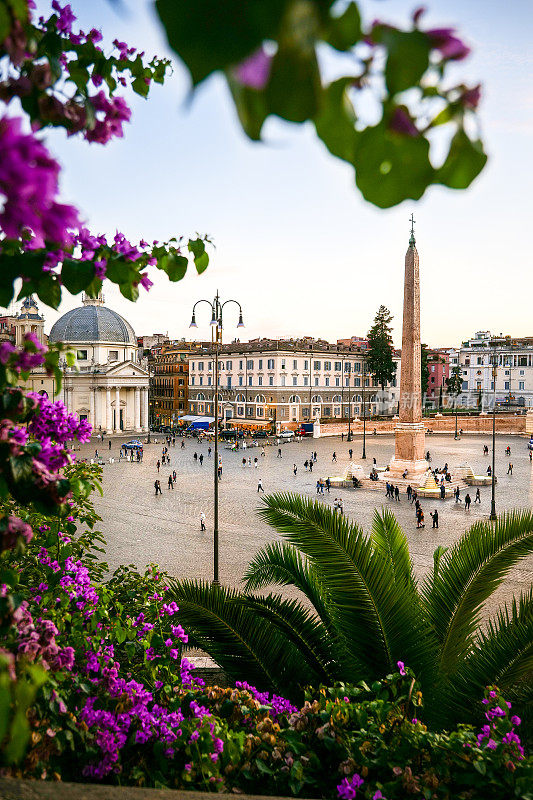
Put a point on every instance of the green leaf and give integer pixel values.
(201, 258)
(117, 270)
(140, 86)
(174, 265)
(76, 275)
(335, 121)
(345, 31)
(294, 89)
(251, 106)
(18, 738)
(209, 35)
(129, 291)
(407, 60)
(464, 162)
(5, 22)
(49, 290)
(390, 167)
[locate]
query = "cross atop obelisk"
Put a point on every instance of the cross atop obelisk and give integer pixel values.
(412, 238)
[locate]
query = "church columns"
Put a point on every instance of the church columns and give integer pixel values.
(92, 419)
(137, 409)
(117, 409)
(108, 411)
(144, 409)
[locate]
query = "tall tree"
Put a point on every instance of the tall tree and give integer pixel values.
(380, 361)
(455, 382)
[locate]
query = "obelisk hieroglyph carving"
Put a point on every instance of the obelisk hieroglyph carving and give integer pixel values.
(410, 432)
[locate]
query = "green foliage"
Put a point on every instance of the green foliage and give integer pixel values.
(379, 359)
(277, 42)
(368, 610)
(455, 382)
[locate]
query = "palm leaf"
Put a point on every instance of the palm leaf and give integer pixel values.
(282, 564)
(467, 575)
(502, 655)
(389, 539)
(305, 631)
(377, 620)
(245, 645)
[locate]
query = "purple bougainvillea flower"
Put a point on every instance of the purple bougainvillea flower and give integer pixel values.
(450, 46)
(401, 667)
(471, 98)
(401, 122)
(417, 13)
(255, 70)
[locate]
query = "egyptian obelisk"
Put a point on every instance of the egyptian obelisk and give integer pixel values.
(409, 434)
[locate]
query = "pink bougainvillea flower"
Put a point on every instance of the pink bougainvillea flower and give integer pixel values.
(255, 70)
(401, 667)
(471, 98)
(401, 122)
(450, 46)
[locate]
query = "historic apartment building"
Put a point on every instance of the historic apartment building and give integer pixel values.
(514, 379)
(169, 372)
(268, 382)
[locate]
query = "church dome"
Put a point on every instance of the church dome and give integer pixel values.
(93, 322)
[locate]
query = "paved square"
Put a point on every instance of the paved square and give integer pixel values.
(141, 528)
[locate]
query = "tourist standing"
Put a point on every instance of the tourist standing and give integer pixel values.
(260, 486)
(201, 459)
(477, 498)
(468, 500)
(158, 465)
(435, 518)
(397, 494)
(279, 452)
(350, 453)
(457, 494)
(409, 492)
(157, 485)
(295, 469)
(510, 469)
(170, 482)
(110, 444)
(202, 521)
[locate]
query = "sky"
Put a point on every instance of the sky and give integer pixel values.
(296, 244)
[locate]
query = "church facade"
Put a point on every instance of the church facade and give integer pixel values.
(108, 386)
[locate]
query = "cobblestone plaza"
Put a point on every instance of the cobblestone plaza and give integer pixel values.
(141, 527)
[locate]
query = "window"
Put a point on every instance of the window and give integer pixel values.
(240, 380)
(240, 398)
(506, 384)
(295, 363)
(327, 411)
(338, 366)
(465, 385)
(317, 398)
(337, 381)
(200, 365)
(260, 380)
(316, 365)
(357, 366)
(250, 364)
(521, 386)
(306, 381)
(229, 365)
(336, 411)
(260, 364)
(480, 359)
(228, 379)
(271, 380)
(294, 398)
(192, 366)
(240, 411)
(240, 364)
(113, 355)
(249, 380)
(209, 380)
(295, 380)
(260, 412)
(327, 365)
(270, 363)
(201, 380)
(210, 366)
(192, 380)
(82, 355)
(305, 412)
(316, 382)
(306, 364)
(327, 381)
(260, 398)
(200, 396)
(249, 411)
(433, 367)
(221, 365)
(283, 363)
(283, 380)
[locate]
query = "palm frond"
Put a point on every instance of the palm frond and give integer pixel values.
(501, 655)
(245, 645)
(281, 564)
(305, 631)
(379, 622)
(389, 539)
(467, 575)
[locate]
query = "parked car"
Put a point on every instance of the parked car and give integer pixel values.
(286, 435)
(260, 435)
(530, 444)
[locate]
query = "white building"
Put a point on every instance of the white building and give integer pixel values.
(514, 371)
(285, 382)
(108, 386)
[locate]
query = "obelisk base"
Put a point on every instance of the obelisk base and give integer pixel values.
(410, 440)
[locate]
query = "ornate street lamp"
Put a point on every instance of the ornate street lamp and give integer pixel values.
(216, 322)
(364, 409)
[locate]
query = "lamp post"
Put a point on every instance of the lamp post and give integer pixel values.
(493, 482)
(364, 409)
(349, 403)
(216, 323)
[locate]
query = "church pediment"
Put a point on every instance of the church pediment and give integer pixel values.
(127, 369)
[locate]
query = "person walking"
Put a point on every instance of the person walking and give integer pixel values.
(295, 469)
(333, 457)
(195, 456)
(174, 476)
(435, 518)
(457, 494)
(157, 485)
(342, 436)
(202, 521)
(328, 485)
(209, 452)
(409, 492)
(468, 500)
(350, 453)
(279, 452)
(318, 486)
(244, 461)
(530, 455)
(158, 465)
(260, 486)
(442, 492)
(110, 444)
(249, 461)
(340, 505)
(306, 464)
(489, 471)
(182, 444)
(170, 482)
(510, 469)
(414, 497)
(397, 494)
(310, 466)
(256, 462)
(314, 456)
(219, 472)
(477, 498)
(201, 459)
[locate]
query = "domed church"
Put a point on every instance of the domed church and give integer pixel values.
(108, 386)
